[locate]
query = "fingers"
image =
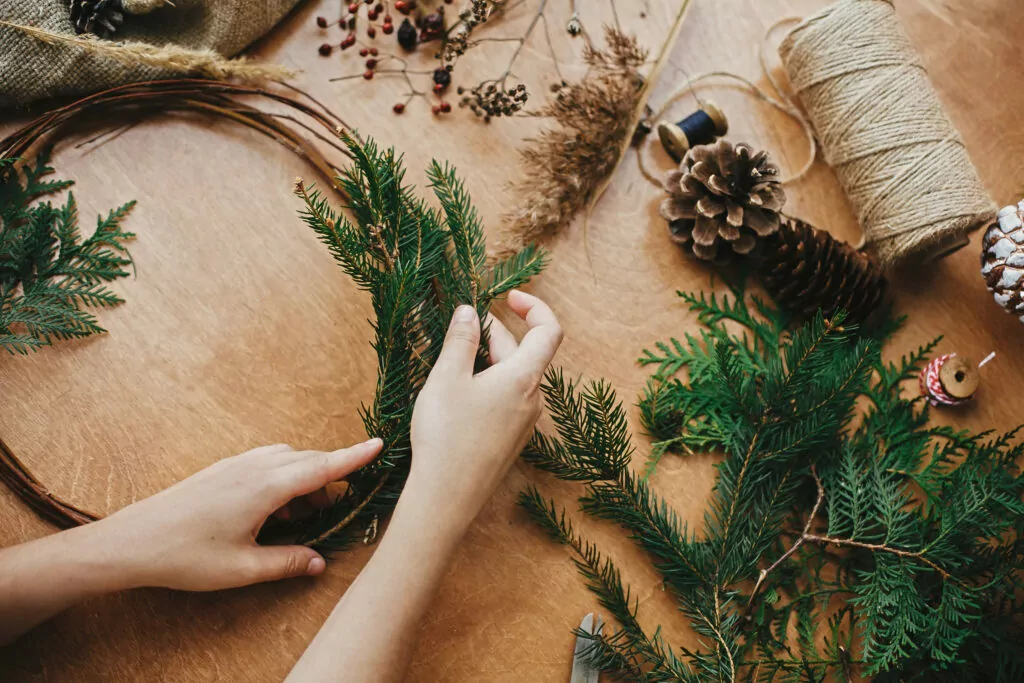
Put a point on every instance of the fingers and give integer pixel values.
(270, 563)
(544, 336)
(459, 352)
(319, 469)
(502, 343)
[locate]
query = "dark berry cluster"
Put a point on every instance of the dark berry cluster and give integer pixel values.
(489, 99)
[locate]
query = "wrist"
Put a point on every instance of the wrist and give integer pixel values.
(422, 514)
(102, 557)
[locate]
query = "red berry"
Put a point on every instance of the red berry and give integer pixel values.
(371, 32)
(371, 63)
(436, 109)
(321, 22)
(398, 108)
(387, 19)
(325, 49)
(363, 52)
(446, 107)
(372, 15)
(438, 87)
(379, 7)
(349, 41)
(374, 51)
(402, 6)
(388, 29)
(353, 7)
(368, 74)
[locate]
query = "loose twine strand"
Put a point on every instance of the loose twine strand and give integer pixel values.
(779, 99)
(872, 110)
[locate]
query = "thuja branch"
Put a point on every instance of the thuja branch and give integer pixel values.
(808, 428)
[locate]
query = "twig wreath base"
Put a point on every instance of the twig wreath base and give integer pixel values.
(303, 117)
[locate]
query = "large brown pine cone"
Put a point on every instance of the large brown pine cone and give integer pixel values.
(99, 17)
(805, 270)
(723, 200)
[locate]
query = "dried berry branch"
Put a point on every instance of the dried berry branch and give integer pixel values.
(501, 95)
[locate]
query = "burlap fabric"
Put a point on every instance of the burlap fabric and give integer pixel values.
(31, 70)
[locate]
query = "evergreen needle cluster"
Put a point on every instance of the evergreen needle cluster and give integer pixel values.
(49, 274)
(845, 537)
(418, 264)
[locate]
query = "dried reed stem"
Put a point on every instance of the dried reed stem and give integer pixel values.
(205, 63)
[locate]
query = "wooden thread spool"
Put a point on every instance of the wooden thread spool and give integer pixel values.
(951, 380)
(703, 126)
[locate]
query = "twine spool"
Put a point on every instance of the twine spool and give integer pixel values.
(702, 127)
(882, 128)
(950, 380)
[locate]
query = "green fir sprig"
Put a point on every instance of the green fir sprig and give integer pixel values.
(50, 275)
(418, 264)
(845, 537)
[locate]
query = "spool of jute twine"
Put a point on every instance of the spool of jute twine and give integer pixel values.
(883, 130)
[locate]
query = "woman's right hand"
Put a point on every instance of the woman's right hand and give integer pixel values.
(468, 429)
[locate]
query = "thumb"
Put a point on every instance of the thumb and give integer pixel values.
(270, 563)
(459, 352)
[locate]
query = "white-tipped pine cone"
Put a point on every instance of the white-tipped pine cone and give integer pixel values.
(723, 200)
(1002, 259)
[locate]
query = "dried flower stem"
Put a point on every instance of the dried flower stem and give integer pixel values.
(206, 63)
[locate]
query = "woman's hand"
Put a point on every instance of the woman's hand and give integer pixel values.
(200, 534)
(197, 535)
(467, 429)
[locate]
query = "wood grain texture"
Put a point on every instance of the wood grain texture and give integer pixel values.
(240, 331)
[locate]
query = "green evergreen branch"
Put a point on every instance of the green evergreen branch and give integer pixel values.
(49, 273)
(417, 264)
(924, 523)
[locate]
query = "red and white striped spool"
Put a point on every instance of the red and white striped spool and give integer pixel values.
(949, 380)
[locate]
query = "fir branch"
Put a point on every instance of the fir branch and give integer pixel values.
(417, 264)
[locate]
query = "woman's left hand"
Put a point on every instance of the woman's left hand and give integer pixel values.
(200, 534)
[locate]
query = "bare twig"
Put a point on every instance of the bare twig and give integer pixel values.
(805, 536)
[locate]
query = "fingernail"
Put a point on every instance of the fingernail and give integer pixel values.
(464, 314)
(374, 441)
(316, 565)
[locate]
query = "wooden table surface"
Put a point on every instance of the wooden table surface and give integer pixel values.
(239, 330)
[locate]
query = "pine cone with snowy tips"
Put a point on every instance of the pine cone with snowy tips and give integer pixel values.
(1002, 260)
(99, 17)
(806, 270)
(723, 200)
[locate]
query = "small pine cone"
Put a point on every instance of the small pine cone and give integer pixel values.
(805, 270)
(99, 17)
(1002, 259)
(723, 200)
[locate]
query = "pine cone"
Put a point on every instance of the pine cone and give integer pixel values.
(805, 270)
(1002, 259)
(100, 17)
(723, 200)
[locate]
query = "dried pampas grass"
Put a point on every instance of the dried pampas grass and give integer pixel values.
(568, 162)
(569, 166)
(203, 63)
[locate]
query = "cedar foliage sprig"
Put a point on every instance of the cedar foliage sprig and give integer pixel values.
(418, 263)
(49, 273)
(845, 536)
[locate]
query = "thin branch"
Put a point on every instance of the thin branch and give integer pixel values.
(805, 536)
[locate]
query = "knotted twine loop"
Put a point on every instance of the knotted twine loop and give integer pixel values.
(882, 128)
